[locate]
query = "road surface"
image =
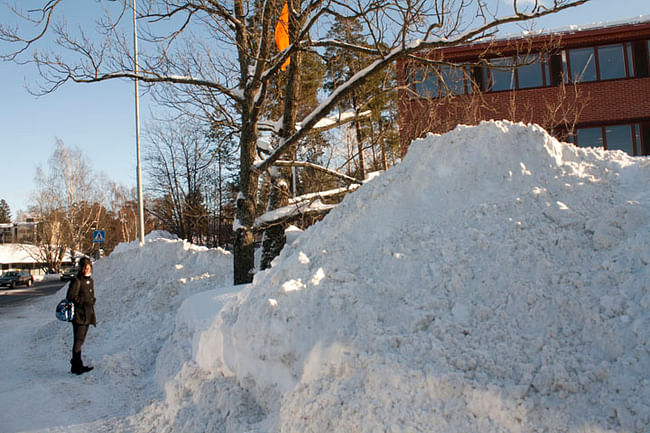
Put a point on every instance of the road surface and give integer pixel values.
(22, 295)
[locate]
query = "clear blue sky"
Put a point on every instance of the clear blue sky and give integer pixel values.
(99, 118)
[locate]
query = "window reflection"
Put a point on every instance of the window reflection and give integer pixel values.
(619, 138)
(611, 62)
(453, 79)
(426, 83)
(442, 81)
(582, 64)
(530, 72)
(502, 74)
(590, 137)
(627, 138)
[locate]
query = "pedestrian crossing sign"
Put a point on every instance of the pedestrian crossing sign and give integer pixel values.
(99, 236)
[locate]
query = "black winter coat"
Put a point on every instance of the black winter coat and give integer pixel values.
(81, 292)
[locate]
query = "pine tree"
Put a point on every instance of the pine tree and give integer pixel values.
(379, 132)
(5, 212)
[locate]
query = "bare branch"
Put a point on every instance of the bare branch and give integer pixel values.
(320, 168)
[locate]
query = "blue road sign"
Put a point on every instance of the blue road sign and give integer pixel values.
(99, 236)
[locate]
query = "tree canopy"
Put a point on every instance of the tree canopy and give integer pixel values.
(218, 60)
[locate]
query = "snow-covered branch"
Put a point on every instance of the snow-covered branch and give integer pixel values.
(320, 168)
(286, 213)
(329, 122)
(324, 194)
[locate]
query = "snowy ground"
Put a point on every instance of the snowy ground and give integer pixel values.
(495, 281)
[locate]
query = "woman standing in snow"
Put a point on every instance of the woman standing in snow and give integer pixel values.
(81, 292)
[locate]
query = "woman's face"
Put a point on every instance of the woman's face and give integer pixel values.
(87, 270)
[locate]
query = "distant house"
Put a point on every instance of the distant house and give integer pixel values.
(19, 232)
(589, 86)
(24, 257)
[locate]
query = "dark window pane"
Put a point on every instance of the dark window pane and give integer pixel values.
(426, 83)
(640, 58)
(478, 78)
(590, 137)
(636, 130)
(453, 79)
(630, 60)
(571, 137)
(619, 138)
(556, 71)
(582, 64)
(503, 74)
(530, 72)
(469, 76)
(611, 62)
(645, 138)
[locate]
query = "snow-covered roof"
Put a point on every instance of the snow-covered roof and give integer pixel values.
(18, 253)
(574, 28)
(640, 19)
(22, 253)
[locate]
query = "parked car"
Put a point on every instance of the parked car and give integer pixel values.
(12, 279)
(67, 275)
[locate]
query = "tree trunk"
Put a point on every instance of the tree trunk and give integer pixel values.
(244, 245)
(274, 237)
(357, 127)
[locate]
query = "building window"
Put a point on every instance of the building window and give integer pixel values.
(619, 138)
(582, 65)
(501, 74)
(504, 73)
(630, 60)
(607, 62)
(425, 83)
(442, 81)
(590, 137)
(532, 71)
(611, 62)
(452, 80)
(628, 138)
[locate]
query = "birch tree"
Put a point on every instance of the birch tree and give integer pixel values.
(220, 57)
(66, 202)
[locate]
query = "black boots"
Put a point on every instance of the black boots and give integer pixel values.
(77, 366)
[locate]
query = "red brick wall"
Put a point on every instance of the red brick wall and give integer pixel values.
(604, 102)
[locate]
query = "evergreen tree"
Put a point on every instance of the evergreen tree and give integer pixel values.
(379, 132)
(5, 212)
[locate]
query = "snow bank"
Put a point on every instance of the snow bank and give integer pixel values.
(497, 280)
(139, 292)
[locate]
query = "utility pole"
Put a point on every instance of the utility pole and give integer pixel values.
(137, 130)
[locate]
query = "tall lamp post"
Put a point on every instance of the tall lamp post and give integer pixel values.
(137, 130)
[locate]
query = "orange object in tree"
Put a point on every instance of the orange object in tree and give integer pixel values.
(282, 33)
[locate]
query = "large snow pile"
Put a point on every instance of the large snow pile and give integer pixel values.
(496, 281)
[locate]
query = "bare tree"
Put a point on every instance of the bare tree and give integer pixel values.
(179, 159)
(66, 203)
(122, 204)
(120, 220)
(225, 71)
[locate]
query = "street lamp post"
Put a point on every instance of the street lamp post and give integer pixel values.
(137, 130)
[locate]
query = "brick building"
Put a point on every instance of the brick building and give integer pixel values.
(589, 86)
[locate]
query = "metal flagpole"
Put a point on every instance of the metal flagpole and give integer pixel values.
(137, 131)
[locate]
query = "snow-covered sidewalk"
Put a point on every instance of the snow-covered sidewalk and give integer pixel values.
(139, 293)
